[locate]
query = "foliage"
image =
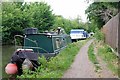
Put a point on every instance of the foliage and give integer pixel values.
(8, 14)
(56, 67)
(17, 16)
(100, 13)
(0, 16)
(42, 16)
(99, 35)
(69, 24)
(92, 26)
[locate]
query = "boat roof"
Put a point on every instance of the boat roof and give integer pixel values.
(77, 29)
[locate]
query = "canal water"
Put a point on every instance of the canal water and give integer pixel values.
(7, 51)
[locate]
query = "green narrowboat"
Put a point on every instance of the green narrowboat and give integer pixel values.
(35, 44)
(47, 44)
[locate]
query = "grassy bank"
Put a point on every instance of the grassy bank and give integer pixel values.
(56, 67)
(105, 52)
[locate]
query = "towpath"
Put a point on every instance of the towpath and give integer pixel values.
(82, 67)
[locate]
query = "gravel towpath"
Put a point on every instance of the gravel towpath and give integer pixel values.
(81, 67)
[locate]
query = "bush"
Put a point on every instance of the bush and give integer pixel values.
(99, 35)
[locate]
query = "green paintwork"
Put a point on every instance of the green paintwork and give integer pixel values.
(46, 43)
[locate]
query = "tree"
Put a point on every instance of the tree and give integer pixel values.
(18, 16)
(62, 22)
(101, 12)
(42, 16)
(69, 24)
(14, 20)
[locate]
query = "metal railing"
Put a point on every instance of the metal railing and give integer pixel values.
(34, 41)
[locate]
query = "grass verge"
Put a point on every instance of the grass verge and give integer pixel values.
(109, 57)
(91, 54)
(93, 58)
(56, 67)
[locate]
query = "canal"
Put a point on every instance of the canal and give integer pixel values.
(7, 51)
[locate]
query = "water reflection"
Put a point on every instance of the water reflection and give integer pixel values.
(7, 51)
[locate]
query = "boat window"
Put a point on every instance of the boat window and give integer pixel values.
(57, 43)
(77, 32)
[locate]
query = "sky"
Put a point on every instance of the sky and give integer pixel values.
(69, 9)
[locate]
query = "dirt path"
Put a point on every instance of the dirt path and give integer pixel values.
(104, 72)
(81, 67)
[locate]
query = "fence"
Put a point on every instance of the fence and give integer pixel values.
(110, 29)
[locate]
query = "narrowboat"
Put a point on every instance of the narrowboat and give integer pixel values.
(36, 44)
